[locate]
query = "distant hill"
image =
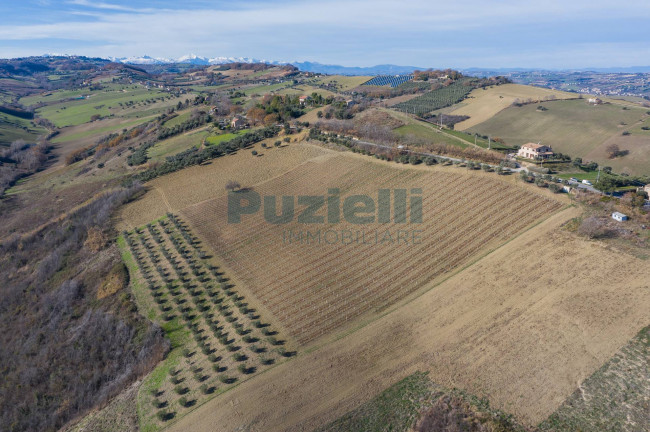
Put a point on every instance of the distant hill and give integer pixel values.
(385, 69)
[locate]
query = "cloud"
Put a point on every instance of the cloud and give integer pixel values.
(421, 33)
(108, 6)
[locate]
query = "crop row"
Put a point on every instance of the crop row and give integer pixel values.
(225, 339)
(435, 99)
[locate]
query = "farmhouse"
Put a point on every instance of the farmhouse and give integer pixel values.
(350, 102)
(619, 216)
(595, 101)
(237, 123)
(535, 151)
(303, 99)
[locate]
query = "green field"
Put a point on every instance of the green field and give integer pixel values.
(430, 134)
(175, 121)
(344, 83)
(13, 128)
(263, 89)
(86, 132)
(84, 104)
(176, 144)
(578, 129)
(581, 175)
(218, 139)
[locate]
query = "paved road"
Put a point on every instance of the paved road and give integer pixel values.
(574, 184)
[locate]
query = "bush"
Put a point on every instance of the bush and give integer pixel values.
(181, 390)
(164, 415)
(594, 228)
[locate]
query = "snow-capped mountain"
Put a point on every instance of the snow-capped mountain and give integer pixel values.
(189, 59)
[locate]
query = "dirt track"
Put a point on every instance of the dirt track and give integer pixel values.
(523, 326)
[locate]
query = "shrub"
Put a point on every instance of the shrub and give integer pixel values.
(207, 390)
(181, 390)
(164, 415)
(239, 357)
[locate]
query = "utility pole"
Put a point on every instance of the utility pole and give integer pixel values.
(489, 142)
(598, 176)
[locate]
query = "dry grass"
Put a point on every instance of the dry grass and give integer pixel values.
(199, 183)
(523, 326)
(482, 105)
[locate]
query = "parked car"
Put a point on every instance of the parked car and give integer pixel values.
(587, 182)
(573, 179)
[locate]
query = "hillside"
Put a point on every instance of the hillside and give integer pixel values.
(483, 104)
(579, 129)
(247, 246)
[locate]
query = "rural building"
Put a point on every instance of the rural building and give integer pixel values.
(349, 102)
(303, 99)
(595, 101)
(619, 216)
(646, 189)
(237, 123)
(535, 151)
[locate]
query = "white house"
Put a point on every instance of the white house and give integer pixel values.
(595, 101)
(535, 151)
(619, 216)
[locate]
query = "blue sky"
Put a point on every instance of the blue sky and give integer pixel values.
(497, 33)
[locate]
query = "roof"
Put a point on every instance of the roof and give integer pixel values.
(618, 214)
(532, 146)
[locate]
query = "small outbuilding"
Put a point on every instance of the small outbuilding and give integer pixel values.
(619, 216)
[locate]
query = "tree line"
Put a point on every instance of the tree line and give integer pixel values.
(196, 156)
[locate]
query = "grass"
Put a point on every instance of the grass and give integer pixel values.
(63, 112)
(397, 408)
(400, 406)
(429, 133)
(193, 315)
(580, 175)
(96, 131)
(13, 128)
(180, 118)
(218, 139)
(263, 89)
(614, 398)
(344, 83)
(482, 104)
(176, 144)
(575, 128)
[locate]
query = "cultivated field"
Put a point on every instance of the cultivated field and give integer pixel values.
(523, 326)
(177, 285)
(331, 275)
(483, 104)
(342, 82)
(178, 190)
(435, 99)
(573, 127)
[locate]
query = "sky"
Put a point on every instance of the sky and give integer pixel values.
(547, 34)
